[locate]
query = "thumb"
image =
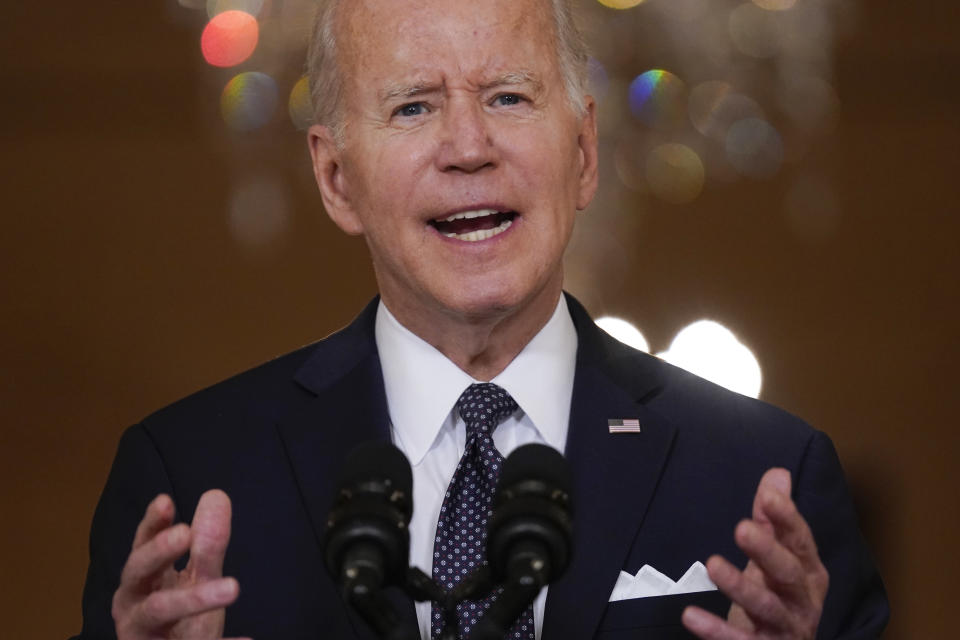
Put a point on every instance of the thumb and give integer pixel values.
(210, 535)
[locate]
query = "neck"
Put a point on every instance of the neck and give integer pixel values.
(481, 344)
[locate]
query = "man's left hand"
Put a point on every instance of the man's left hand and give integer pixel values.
(780, 593)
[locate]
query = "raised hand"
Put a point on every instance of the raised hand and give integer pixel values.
(154, 600)
(780, 593)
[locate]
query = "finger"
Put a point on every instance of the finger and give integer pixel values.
(780, 566)
(790, 527)
(148, 561)
(166, 607)
(762, 606)
(158, 516)
(775, 480)
(211, 535)
(708, 626)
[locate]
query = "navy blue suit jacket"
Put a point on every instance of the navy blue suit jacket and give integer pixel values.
(274, 437)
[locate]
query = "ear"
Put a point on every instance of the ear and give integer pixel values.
(588, 154)
(328, 171)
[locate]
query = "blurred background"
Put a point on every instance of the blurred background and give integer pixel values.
(784, 169)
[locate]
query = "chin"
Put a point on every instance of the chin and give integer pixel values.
(489, 299)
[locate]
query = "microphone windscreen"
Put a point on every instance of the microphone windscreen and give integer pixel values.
(377, 460)
(537, 462)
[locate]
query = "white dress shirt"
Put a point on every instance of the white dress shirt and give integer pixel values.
(422, 387)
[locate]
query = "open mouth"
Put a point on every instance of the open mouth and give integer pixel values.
(474, 226)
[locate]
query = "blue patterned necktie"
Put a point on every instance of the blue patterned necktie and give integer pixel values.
(460, 544)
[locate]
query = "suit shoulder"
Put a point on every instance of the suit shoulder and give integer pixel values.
(699, 407)
(254, 391)
(275, 388)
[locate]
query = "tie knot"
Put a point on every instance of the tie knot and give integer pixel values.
(484, 405)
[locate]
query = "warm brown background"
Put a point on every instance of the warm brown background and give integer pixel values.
(123, 290)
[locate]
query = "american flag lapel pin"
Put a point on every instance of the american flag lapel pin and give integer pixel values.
(624, 425)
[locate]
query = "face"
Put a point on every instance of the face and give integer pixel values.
(463, 162)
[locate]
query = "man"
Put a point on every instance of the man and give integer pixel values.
(457, 139)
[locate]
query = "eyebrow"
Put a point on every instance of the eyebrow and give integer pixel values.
(511, 78)
(514, 78)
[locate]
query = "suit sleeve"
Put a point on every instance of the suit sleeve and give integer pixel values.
(136, 477)
(856, 605)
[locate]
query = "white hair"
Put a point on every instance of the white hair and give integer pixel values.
(326, 82)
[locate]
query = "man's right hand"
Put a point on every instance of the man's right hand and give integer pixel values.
(154, 600)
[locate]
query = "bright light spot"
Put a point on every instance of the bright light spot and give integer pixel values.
(711, 351)
(657, 99)
(620, 4)
(754, 148)
(754, 31)
(299, 106)
(675, 173)
(248, 101)
(624, 332)
(253, 7)
(775, 5)
(229, 38)
(259, 213)
(714, 106)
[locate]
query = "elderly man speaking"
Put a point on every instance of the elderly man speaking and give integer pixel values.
(457, 138)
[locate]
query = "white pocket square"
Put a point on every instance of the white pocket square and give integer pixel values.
(650, 582)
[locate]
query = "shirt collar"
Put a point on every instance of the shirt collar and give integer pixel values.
(422, 385)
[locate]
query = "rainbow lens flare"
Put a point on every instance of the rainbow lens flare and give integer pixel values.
(248, 101)
(657, 99)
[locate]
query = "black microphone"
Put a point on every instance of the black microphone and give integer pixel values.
(530, 536)
(366, 545)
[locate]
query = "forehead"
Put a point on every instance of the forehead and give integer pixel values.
(379, 39)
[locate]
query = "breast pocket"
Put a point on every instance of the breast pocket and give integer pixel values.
(656, 618)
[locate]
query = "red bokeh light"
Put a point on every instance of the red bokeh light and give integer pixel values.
(229, 38)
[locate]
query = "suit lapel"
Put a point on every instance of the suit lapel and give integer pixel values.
(615, 475)
(349, 408)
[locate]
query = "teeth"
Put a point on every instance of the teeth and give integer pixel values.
(470, 214)
(483, 234)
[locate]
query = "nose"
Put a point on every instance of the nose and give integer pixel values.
(466, 142)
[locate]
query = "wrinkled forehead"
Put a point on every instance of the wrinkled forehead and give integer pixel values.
(384, 35)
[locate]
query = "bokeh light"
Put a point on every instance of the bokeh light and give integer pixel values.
(775, 5)
(755, 31)
(711, 351)
(215, 7)
(714, 105)
(623, 331)
(620, 4)
(259, 213)
(657, 99)
(675, 173)
(229, 38)
(248, 101)
(754, 148)
(301, 111)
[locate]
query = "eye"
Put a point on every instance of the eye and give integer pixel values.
(410, 110)
(508, 99)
